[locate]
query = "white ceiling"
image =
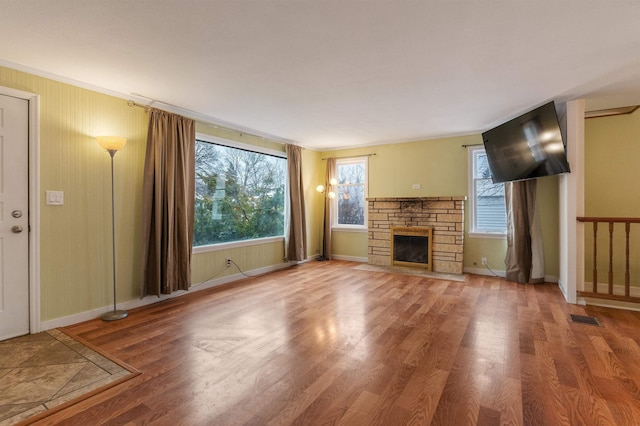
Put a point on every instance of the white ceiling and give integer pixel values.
(337, 73)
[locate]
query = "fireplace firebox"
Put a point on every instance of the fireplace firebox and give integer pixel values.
(411, 246)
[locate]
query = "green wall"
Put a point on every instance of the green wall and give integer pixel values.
(612, 173)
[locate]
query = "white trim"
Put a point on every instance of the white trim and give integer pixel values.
(350, 258)
(488, 235)
(236, 244)
(571, 202)
(606, 303)
(473, 233)
(485, 271)
(334, 203)
(617, 288)
(149, 300)
(34, 203)
(502, 274)
(349, 228)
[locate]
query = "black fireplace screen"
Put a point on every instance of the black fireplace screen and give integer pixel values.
(409, 248)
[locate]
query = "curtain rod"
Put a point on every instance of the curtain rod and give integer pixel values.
(193, 115)
(353, 156)
(473, 144)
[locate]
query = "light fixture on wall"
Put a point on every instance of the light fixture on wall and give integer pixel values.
(330, 195)
(112, 144)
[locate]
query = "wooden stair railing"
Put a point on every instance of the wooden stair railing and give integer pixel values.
(626, 297)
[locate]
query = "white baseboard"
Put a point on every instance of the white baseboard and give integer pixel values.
(606, 303)
(350, 258)
(502, 274)
(132, 304)
(617, 288)
(485, 271)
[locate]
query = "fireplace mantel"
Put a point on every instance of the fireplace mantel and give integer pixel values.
(445, 215)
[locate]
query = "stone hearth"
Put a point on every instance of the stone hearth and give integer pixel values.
(445, 215)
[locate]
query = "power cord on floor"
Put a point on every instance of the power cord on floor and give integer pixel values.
(490, 270)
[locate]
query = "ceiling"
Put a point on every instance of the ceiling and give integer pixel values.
(331, 74)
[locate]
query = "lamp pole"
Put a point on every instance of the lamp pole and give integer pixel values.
(115, 314)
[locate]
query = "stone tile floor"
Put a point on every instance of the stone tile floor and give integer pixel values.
(39, 372)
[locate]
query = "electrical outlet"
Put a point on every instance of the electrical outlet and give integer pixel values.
(484, 260)
(228, 261)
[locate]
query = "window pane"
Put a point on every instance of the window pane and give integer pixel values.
(351, 173)
(490, 207)
(239, 195)
(350, 193)
(351, 205)
(489, 211)
(481, 169)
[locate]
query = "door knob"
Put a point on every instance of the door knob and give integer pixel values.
(16, 229)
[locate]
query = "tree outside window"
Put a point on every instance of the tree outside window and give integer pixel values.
(239, 194)
(351, 208)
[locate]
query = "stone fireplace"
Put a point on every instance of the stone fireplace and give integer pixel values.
(444, 216)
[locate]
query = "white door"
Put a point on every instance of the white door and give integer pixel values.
(14, 217)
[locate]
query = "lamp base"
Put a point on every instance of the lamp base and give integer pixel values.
(114, 315)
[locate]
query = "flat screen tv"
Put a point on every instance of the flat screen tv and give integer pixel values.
(527, 147)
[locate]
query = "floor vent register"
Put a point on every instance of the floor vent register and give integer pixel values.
(583, 319)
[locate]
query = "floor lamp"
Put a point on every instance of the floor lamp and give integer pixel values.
(112, 144)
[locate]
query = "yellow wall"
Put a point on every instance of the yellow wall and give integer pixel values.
(76, 238)
(441, 168)
(612, 173)
(75, 246)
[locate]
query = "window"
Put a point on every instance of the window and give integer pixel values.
(240, 192)
(350, 208)
(488, 213)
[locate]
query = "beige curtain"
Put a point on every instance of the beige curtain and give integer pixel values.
(326, 242)
(167, 204)
(524, 261)
(296, 239)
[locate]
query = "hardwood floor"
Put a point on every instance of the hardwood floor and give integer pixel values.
(323, 343)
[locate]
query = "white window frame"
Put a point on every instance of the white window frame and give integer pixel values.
(334, 203)
(473, 214)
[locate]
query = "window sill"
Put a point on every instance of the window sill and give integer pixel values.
(235, 244)
(488, 235)
(359, 229)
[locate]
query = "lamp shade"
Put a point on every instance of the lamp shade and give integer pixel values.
(111, 143)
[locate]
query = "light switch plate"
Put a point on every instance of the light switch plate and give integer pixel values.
(54, 198)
